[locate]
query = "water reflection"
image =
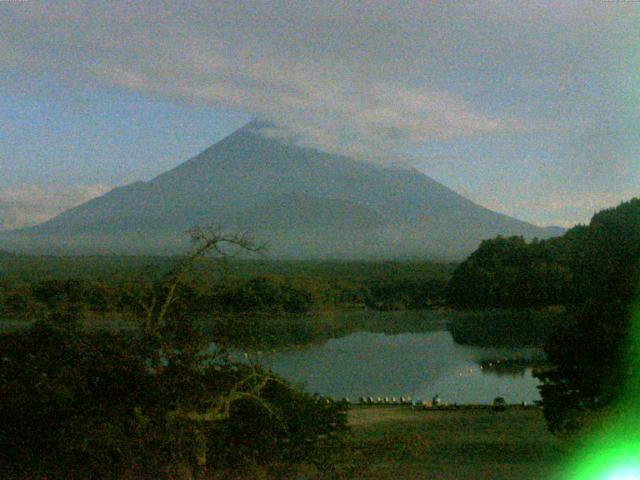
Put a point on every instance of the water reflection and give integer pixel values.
(419, 365)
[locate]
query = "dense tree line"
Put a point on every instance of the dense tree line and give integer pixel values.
(402, 293)
(261, 294)
(264, 295)
(566, 270)
(593, 353)
(509, 272)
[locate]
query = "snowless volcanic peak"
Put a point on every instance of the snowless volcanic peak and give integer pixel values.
(303, 202)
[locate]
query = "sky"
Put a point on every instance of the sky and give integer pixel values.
(529, 108)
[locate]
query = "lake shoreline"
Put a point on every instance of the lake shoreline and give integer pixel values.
(255, 331)
(418, 365)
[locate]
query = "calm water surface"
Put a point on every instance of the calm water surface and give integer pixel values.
(419, 365)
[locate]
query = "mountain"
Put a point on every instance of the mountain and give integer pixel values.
(304, 202)
(8, 215)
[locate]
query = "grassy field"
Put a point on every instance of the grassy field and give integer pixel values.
(400, 443)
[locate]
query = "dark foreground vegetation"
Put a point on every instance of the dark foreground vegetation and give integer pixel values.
(79, 403)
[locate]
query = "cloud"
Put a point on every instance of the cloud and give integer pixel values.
(559, 208)
(364, 78)
(27, 205)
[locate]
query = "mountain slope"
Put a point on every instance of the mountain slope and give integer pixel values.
(304, 202)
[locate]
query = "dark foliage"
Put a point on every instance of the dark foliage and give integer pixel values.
(505, 327)
(509, 272)
(55, 292)
(589, 373)
(590, 352)
(417, 292)
(262, 294)
(67, 398)
(75, 404)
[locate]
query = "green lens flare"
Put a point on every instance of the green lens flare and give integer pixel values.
(612, 458)
(613, 453)
(625, 473)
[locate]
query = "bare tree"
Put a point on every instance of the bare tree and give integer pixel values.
(156, 304)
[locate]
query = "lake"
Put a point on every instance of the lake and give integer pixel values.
(393, 354)
(416, 364)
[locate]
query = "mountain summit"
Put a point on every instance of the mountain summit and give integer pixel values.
(303, 202)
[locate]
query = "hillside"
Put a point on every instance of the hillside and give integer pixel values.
(597, 261)
(303, 202)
